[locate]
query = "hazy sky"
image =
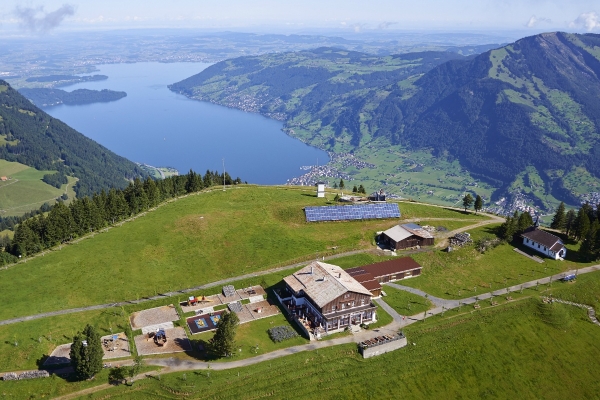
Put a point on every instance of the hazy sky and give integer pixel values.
(278, 15)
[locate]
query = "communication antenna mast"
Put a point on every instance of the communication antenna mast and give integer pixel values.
(223, 174)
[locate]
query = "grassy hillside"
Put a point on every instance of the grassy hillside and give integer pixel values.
(507, 352)
(25, 190)
(186, 243)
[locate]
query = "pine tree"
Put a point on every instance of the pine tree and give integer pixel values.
(582, 224)
(588, 250)
(223, 342)
(467, 201)
(570, 222)
(525, 221)
(560, 218)
(354, 189)
(341, 185)
(361, 189)
(478, 204)
(86, 353)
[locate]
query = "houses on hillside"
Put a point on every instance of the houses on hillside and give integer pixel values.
(323, 298)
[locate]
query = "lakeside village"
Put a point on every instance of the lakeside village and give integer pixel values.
(320, 298)
(505, 206)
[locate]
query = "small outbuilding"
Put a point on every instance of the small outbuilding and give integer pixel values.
(373, 275)
(405, 236)
(320, 189)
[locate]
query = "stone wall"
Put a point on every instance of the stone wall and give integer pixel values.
(382, 348)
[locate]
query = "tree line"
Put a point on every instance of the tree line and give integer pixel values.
(91, 213)
(583, 225)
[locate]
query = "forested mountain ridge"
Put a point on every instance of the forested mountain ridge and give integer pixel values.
(284, 85)
(44, 97)
(532, 103)
(34, 138)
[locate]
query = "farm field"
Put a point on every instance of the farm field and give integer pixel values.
(512, 351)
(25, 191)
(455, 275)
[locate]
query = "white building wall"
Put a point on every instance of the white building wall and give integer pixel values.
(539, 248)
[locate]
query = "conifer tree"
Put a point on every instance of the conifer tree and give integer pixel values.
(589, 250)
(223, 343)
(525, 221)
(570, 222)
(582, 224)
(354, 189)
(361, 189)
(341, 185)
(478, 204)
(86, 353)
(560, 218)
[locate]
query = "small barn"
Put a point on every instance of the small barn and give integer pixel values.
(405, 236)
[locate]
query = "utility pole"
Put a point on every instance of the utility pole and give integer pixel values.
(223, 174)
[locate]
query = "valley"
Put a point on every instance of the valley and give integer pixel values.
(187, 213)
(344, 102)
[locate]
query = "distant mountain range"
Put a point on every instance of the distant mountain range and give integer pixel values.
(34, 138)
(530, 104)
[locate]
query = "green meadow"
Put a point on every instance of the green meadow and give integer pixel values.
(186, 243)
(519, 350)
(25, 190)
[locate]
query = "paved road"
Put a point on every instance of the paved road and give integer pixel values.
(444, 304)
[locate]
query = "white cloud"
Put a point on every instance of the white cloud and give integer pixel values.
(589, 20)
(38, 20)
(535, 21)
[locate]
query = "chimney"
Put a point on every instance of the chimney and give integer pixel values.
(339, 275)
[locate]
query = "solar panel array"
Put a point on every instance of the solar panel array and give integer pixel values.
(344, 213)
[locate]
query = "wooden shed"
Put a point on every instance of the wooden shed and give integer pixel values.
(405, 236)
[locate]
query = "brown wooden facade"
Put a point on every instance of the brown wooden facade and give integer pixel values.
(411, 241)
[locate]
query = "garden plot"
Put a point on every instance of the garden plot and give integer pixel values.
(177, 342)
(153, 316)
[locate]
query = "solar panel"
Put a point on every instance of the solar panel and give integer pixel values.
(355, 212)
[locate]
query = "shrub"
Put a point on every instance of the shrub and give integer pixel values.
(281, 333)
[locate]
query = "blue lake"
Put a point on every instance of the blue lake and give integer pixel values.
(155, 126)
